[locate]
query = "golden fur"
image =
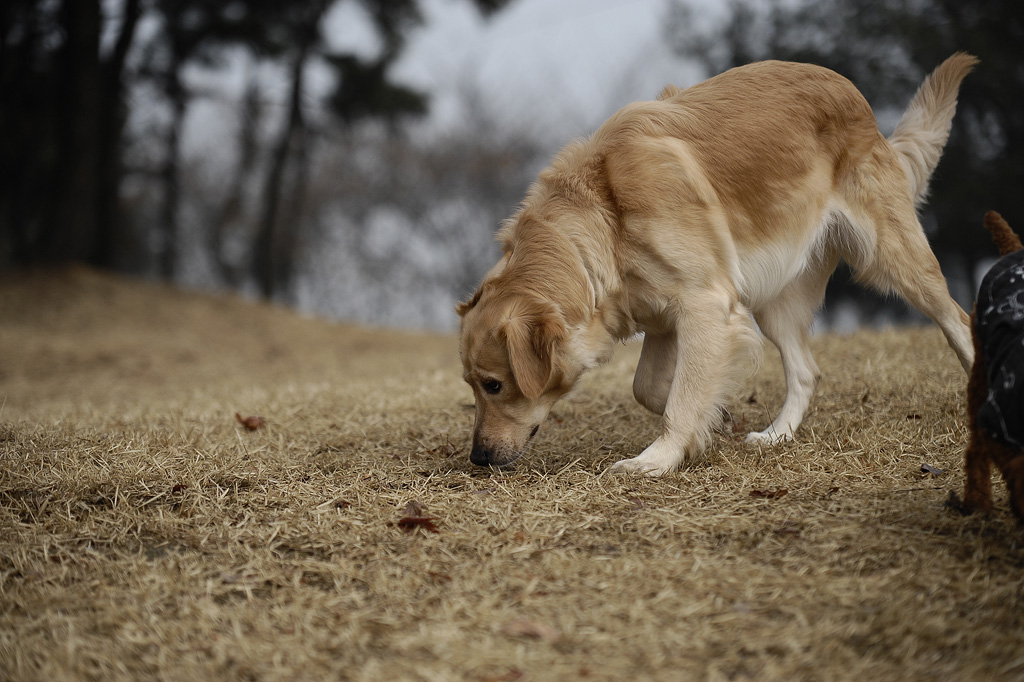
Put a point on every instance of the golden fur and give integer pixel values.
(683, 217)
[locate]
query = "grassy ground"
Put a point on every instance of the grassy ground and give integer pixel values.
(146, 534)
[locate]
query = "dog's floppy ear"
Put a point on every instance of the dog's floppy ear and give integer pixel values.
(534, 332)
(464, 307)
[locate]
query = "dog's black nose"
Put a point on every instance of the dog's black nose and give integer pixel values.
(480, 455)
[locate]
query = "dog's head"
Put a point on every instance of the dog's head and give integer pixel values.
(516, 357)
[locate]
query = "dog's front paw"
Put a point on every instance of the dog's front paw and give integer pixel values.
(768, 437)
(658, 459)
(636, 465)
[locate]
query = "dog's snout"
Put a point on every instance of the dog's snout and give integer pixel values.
(480, 455)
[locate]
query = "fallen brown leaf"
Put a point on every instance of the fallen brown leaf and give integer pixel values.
(411, 523)
(415, 516)
(251, 422)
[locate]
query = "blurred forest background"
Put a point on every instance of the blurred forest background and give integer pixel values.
(323, 188)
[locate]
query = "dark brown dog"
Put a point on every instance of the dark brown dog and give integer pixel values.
(995, 390)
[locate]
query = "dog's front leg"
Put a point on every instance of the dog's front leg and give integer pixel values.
(710, 335)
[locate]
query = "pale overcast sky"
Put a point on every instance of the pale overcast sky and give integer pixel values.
(549, 69)
(560, 67)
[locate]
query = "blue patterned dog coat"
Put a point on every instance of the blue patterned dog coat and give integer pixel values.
(999, 324)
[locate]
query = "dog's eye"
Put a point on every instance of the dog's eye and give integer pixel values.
(492, 386)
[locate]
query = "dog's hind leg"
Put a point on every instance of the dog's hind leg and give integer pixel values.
(1013, 474)
(786, 322)
(903, 262)
(978, 466)
(978, 455)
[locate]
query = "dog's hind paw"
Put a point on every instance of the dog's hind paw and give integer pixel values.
(961, 505)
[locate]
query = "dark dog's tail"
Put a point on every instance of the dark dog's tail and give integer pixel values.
(1002, 234)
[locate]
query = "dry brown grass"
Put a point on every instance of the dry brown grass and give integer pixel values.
(144, 534)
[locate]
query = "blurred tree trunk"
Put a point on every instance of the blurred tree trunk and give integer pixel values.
(292, 238)
(62, 117)
(275, 242)
(230, 212)
(168, 217)
(27, 134)
(70, 219)
(109, 135)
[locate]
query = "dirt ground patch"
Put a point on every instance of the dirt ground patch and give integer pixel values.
(146, 534)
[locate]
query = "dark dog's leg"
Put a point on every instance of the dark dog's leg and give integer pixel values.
(977, 458)
(978, 488)
(1013, 474)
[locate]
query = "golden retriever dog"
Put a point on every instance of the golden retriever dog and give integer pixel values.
(688, 219)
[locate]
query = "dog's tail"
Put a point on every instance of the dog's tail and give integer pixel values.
(924, 127)
(1002, 234)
